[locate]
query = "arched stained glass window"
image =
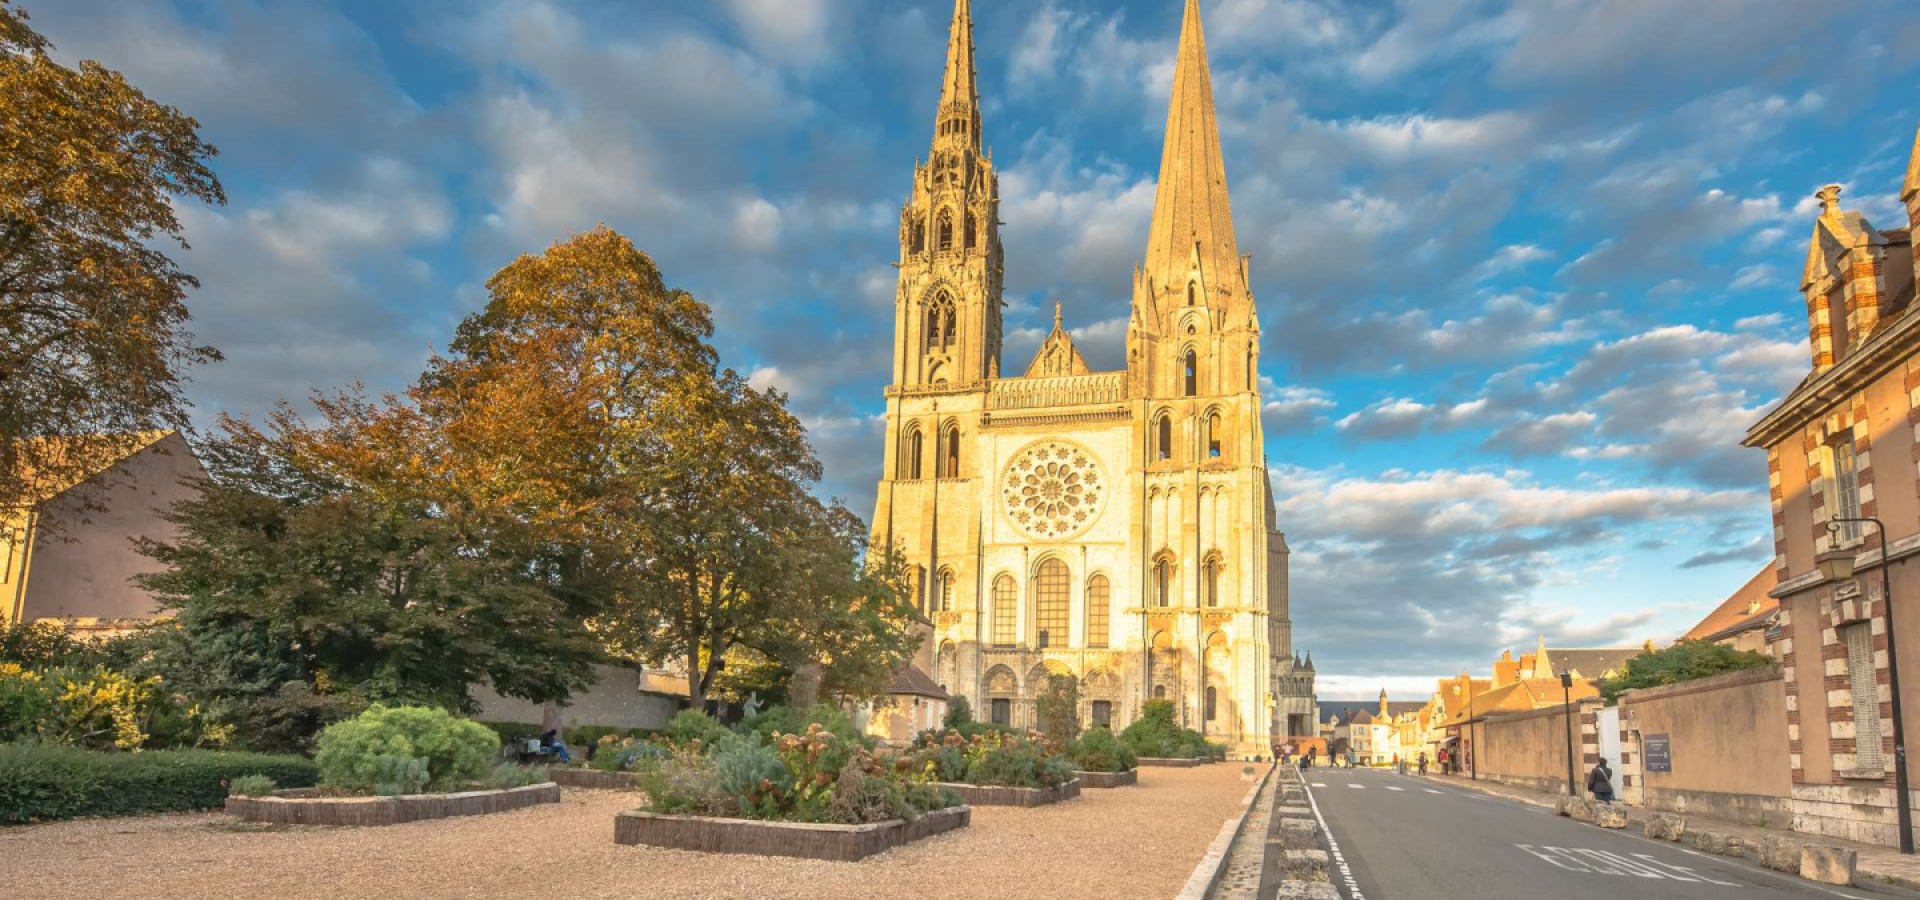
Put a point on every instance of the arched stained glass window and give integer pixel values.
(1162, 582)
(1099, 608)
(910, 467)
(1192, 382)
(1004, 598)
(1051, 604)
(1164, 438)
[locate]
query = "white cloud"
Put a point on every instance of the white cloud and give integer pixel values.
(1510, 258)
(794, 30)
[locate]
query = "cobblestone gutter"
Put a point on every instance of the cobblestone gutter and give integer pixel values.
(1214, 863)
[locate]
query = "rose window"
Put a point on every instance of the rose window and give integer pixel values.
(1053, 490)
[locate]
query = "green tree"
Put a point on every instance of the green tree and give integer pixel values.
(1058, 708)
(1684, 661)
(91, 305)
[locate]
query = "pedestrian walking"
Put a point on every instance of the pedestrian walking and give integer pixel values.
(1600, 782)
(1423, 764)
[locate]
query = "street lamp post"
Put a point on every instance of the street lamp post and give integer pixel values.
(1566, 693)
(1838, 566)
(1473, 744)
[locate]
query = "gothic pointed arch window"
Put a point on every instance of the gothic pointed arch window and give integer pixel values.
(1213, 435)
(1003, 612)
(1099, 609)
(1163, 437)
(944, 231)
(1050, 604)
(950, 452)
(1192, 377)
(973, 230)
(919, 236)
(1163, 582)
(910, 466)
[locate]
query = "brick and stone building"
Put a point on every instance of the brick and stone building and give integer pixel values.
(1116, 526)
(1843, 445)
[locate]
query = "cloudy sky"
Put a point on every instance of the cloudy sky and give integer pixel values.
(1526, 270)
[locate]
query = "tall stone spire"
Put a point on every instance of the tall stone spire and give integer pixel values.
(957, 123)
(1192, 220)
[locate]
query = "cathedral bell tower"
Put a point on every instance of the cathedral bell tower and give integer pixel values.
(947, 312)
(1193, 331)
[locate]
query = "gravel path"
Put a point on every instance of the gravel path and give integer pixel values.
(1111, 845)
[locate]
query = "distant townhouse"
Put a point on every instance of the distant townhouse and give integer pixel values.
(1743, 619)
(1842, 447)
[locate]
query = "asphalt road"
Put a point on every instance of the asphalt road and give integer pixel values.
(1401, 837)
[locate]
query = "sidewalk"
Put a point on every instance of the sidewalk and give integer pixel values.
(1884, 864)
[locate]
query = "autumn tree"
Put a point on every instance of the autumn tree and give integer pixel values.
(92, 309)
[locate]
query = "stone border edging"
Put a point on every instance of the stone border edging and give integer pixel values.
(591, 779)
(1168, 762)
(1213, 863)
(1108, 779)
(353, 812)
(1001, 795)
(842, 843)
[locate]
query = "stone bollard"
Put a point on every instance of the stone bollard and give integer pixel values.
(1781, 854)
(1562, 806)
(1607, 815)
(1304, 865)
(1717, 843)
(1666, 826)
(1827, 865)
(1299, 829)
(1580, 810)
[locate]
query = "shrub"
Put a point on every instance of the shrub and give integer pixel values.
(795, 720)
(373, 749)
(99, 709)
(1099, 750)
(625, 754)
(397, 776)
(959, 712)
(685, 783)
(1058, 708)
(509, 775)
(1684, 661)
(693, 725)
(44, 645)
(1155, 734)
(251, 786)
(590, 735)
(43, 783)
(999, 758)
(811, 777)
(751, 772)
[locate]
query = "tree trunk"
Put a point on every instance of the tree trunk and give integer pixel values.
(804, 690)
(696, 682)
(552, 719)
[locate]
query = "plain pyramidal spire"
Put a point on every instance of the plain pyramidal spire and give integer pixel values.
(1192, 219)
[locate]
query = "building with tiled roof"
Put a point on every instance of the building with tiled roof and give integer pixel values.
(1741, 620)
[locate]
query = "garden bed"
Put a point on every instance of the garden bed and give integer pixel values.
(845, 843)
(1108, 779)
(304, 808)
(998, 795)
(592, 779)
(1171, 763)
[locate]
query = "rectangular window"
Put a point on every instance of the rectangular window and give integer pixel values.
(1103, 713)
(1845, 497)
(1003, 712)
(1003, 611)
(1865, 683)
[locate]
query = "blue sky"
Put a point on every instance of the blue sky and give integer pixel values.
(1525, 270)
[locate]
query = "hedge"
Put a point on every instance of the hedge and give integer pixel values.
(43, 783)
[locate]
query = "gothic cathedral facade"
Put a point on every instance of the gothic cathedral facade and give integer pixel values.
(1114, 526)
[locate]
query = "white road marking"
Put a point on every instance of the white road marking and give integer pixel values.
(1392, 788)
(1603, 862)
(1432, 791)
(1319, 784)
(1357, 787)
(1333, 850)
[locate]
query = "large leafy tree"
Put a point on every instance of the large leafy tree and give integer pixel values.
(91, 306)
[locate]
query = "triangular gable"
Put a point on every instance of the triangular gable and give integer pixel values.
(1057, 356)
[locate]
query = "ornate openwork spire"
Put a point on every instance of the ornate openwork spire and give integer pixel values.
(958, 120)
(1192, 220)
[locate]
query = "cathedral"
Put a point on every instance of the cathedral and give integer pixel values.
(1113, 526)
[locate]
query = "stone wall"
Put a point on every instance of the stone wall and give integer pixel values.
(1529, 749)
(1728, 741)
(615, 700)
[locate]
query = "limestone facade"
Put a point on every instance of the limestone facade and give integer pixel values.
(1115, 526)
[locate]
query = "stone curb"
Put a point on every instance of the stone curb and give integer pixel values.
(591, 779)
(1097, 780)
(1213, 863)
(843, 843)
(1000, 795)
